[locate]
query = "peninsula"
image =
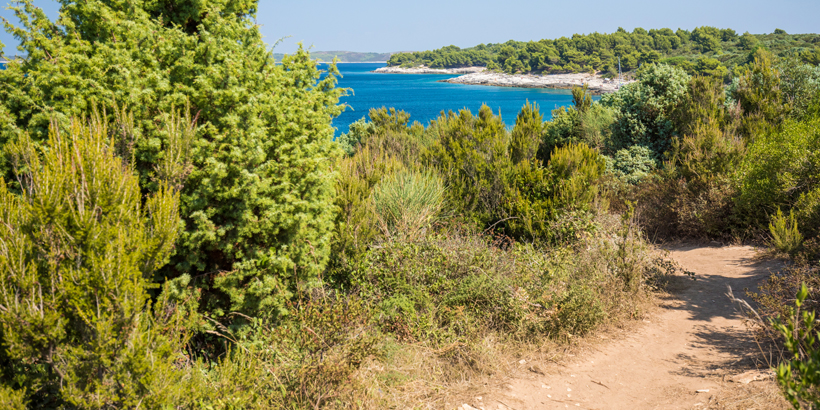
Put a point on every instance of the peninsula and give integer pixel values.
(596, 83)
(481, 76)
(423, 69)
(702, 51)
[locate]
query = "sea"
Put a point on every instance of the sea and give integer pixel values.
(424, 97)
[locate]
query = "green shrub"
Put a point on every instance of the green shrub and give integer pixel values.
(579, 311)
(358, 131)
(800, 84)
(563, 129)
(786, 237)
(711, 67)
(526, 134)
(644, 109)
(356, 225)
(596, 126)
(576, 171)
(759, 95)
(472, 155)
(12, 399)
(799, 376)
(256, 206)
(632, 165)
(807, 211)
(393, 136)
(81, 245)
(554, 203)
(408, 203)
(780, 167)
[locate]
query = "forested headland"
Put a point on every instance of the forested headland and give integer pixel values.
(179, 229)
(704, 50)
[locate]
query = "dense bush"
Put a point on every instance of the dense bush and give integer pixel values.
(644, 109)
(256, 205)
(456, 287)
(80, 246)
(779, 169)
(632, 165)
(554, 203)
(786, 236)
(798, 377)
(472, 154)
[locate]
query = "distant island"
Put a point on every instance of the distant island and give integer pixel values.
(704, 50)
(345, 56)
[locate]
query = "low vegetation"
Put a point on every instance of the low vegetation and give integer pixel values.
(178, 228)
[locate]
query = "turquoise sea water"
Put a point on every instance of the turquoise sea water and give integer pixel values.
(424, 98)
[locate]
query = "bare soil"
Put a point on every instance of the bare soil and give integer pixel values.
(693, 352)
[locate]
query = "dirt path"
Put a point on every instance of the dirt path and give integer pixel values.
(695, 342)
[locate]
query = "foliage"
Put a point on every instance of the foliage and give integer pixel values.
(392, 134)
(255, 207)
(632, 165)
(595, 127)
(695, 52)
(644, 109)
(355, 227)
(759, 95)
(308, 360)
(800, 84)
(554, 203)
(584, 122)
(359, 131)
(799, 377)
(581, 99)
(563, 129)
(471, 153)
(527, 133)
(80, 248)
(807, 211)
(451, 287)
(786, 237)
(408, 203)
(780, 167)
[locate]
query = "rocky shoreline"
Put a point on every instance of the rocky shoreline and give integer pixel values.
(480, 76)
(428, 70)
(596, 83)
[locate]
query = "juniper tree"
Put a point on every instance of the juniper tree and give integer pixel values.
(256, 207)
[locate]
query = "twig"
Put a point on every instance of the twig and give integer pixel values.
(493, 225)
(599, 383)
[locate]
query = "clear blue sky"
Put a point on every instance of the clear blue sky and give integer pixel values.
(389, 25)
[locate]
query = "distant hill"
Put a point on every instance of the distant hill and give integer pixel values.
(345, 56)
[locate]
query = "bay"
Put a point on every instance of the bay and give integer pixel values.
(424, 98)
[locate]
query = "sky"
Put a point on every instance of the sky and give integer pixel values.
(389, 25)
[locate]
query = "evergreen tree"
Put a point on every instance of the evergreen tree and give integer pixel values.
(256, 206)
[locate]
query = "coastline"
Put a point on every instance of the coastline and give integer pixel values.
(596, 83)
(428, 70)
(480, 76)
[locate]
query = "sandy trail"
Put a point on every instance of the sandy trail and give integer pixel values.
(696, 341)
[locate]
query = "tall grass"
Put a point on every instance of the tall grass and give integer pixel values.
(407, 203)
